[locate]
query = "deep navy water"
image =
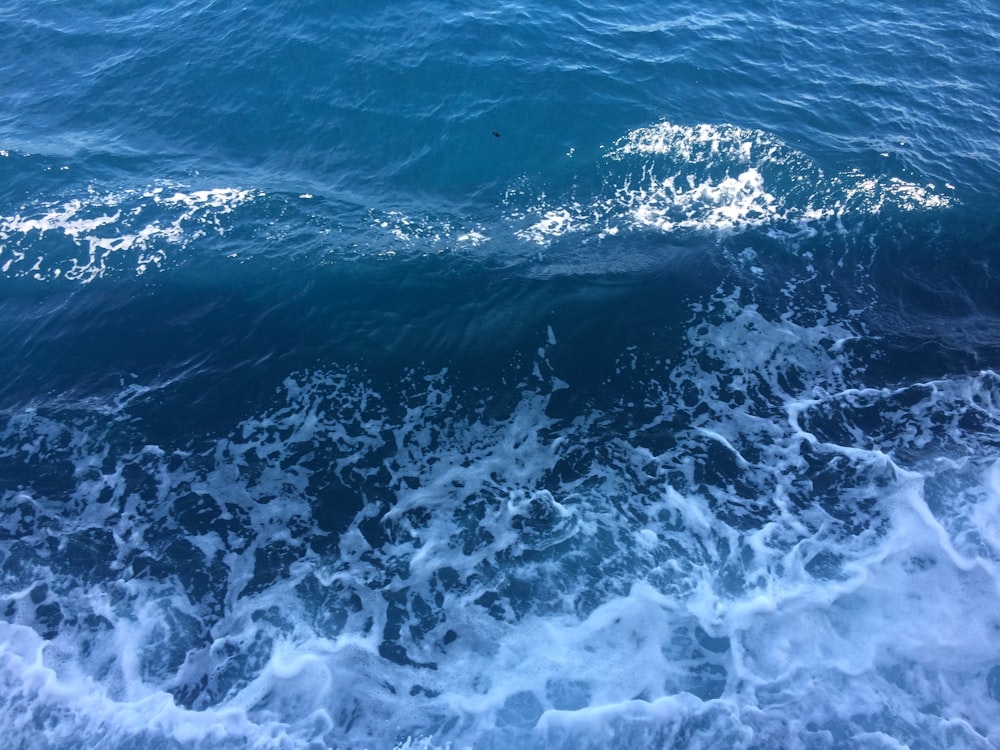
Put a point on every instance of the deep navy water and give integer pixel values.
(500, 375)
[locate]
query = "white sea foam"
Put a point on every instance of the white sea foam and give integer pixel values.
(128, 228)
(720, 179)
(735, 559)
(681, 181)
(555, 223)
(410, 235)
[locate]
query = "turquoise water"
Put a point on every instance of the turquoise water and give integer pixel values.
(499, 375)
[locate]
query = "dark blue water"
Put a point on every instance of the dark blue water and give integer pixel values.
(500, 375)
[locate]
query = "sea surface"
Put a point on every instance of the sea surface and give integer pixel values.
(508, 374)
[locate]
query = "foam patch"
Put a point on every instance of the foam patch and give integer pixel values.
(758, 549)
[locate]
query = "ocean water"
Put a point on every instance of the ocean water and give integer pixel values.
(500, 375)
